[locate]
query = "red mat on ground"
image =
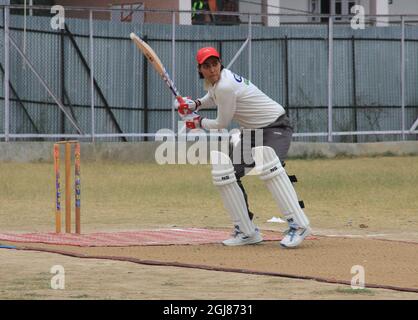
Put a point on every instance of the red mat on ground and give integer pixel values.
(174, 236)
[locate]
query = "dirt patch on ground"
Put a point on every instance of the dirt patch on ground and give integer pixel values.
(26, 275)
(386, 263)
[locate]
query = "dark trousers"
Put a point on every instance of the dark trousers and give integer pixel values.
(277, 135)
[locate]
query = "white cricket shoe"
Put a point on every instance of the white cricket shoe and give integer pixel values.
(294, 237)
(241, 239)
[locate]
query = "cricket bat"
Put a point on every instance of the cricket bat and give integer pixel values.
(153, 58)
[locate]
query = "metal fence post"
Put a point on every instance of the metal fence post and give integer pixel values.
(249, 47)
(286, 82)
(330, 75)
(6, 74)
(354, 79)
(173, 67)
(62, 80)
(91, 74)
(145, 91)
(403, 77)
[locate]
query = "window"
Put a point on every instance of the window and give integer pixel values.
(129, 12)
(34, 12)
(232, 6)
(315, 9)
(215, 5)
(336, 7)
(199, 18)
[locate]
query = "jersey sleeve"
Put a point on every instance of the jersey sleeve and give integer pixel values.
(206, 102)
(226, 101)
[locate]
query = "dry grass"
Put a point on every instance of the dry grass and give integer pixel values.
(377, 192)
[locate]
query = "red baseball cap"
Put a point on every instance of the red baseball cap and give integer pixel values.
(205, 53)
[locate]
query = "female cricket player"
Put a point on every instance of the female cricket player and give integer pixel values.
(238, 99)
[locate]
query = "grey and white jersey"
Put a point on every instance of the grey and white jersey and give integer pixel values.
(240, 100)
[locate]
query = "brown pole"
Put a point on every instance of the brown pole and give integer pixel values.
(68, 187)
(77, 188)
(57, 188)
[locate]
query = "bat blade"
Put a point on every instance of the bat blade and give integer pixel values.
(149, 53)
(155, 61)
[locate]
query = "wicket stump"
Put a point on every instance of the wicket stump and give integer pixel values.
(67, 186)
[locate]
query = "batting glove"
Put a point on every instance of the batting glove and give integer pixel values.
(194, 121)
(188, 107)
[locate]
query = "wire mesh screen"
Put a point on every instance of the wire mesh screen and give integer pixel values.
(2, 93)
(373, 88)
(74, 72)
(307, 83)
(378, 79)
(411, 75)
(34, 75)
(118, 78)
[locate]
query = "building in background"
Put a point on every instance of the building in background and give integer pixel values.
(334, 7)
(47, 3)
(263, 10)
(215, 6)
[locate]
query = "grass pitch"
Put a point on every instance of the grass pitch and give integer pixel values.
(373, 194)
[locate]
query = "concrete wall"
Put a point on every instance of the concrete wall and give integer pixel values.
(256, 6)
(144, 151)
(366, 5)
(300, 5)
(403, 7)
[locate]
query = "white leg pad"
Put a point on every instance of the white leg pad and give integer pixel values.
(274, 175)
(223, 175)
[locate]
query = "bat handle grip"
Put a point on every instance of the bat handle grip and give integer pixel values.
(180, 99)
